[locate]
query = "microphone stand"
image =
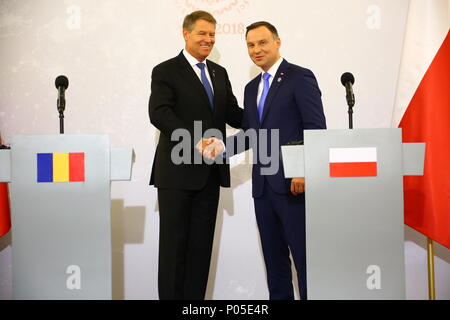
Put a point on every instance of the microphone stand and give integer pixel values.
(350, 117)
(61, 122)
(61, 106)
(350, 102)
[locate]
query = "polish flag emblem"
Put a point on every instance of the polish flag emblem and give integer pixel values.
(353, 162)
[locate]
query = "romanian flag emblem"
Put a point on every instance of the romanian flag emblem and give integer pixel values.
(60, 167)
(353, 162)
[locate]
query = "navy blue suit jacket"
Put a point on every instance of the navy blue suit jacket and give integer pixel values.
(293, 104)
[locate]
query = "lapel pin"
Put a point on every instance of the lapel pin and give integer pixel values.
(281, 77)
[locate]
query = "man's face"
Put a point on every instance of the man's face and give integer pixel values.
(263, 49)
(200, 41)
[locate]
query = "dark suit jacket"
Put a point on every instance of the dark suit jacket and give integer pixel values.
(293, 104)
(177, 99)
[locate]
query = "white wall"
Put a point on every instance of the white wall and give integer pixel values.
(107, 48)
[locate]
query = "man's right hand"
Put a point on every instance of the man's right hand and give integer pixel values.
(202, 144)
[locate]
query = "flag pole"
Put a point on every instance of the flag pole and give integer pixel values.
(430, 251)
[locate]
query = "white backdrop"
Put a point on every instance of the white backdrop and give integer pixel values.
(107, 48)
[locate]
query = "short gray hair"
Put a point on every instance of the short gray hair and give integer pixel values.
(191, 19)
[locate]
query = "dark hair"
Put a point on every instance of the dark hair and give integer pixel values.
(191, 19)
(266, 24)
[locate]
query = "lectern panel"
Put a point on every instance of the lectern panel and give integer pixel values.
(354, 215)
(61, 230)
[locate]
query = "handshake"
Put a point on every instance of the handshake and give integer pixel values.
(210, 148)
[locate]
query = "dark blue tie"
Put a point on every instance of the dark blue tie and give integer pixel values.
(266, 77)
(206, 84)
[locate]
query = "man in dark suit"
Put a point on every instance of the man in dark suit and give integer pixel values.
(184, 90)
(284, 99)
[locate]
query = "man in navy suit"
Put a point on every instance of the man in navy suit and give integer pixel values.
(285, 97)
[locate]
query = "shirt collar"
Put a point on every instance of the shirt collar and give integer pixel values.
(273, 70)
(192, 61)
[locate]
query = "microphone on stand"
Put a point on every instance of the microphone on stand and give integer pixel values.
(61, 83)
(347, 80)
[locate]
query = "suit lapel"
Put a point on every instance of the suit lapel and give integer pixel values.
(277, 82)
(253, 95)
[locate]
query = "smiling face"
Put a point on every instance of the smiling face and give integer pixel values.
(263, 47)
(200, 40)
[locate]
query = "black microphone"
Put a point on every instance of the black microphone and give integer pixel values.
(61, 83)
(347, 80)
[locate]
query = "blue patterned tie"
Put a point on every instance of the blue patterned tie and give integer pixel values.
(266, 77)
(206, 84)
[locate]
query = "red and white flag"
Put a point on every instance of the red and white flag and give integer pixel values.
(422, 110)
(5, 219)
(353, 162)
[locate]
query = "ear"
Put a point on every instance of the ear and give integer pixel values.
(185, 34)
(278, 42)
